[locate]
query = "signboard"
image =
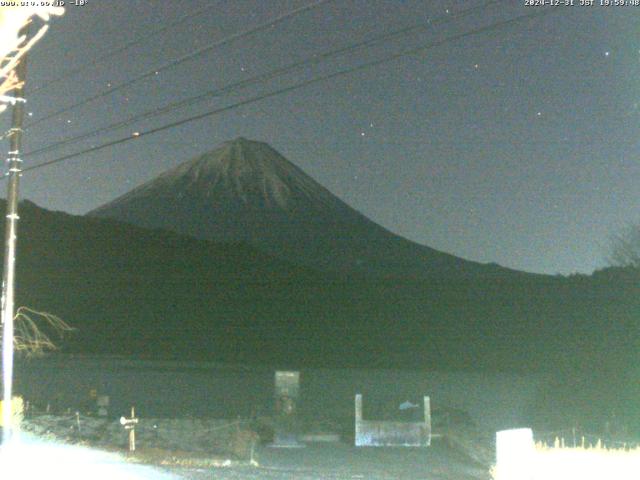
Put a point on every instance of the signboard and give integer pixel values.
(287, 391)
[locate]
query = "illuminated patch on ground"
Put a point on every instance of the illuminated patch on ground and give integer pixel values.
(31, 458)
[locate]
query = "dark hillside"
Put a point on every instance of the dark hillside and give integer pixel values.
(152, 293)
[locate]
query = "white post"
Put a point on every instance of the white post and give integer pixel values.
(427, 417)
(10, 237)
(130, 424)
(515, 451)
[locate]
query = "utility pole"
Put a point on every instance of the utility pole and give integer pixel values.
(10, 237)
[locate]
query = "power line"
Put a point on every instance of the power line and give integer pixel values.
(298, 86)
(139, 39)
(155, 71)
(314, 59)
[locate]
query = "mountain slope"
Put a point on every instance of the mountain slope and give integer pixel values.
(138, 292)
(245, 191)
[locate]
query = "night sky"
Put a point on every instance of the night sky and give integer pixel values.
(518, 145)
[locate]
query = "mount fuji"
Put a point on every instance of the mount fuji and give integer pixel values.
(245, 191)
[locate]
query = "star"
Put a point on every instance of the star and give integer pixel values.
(606, 54)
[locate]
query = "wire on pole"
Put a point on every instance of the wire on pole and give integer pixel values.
(101, 59)
(155, 71)
(235, 86)
(364, 66)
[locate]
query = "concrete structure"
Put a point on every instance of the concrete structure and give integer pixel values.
(386, 433)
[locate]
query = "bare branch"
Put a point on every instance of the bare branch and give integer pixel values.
(625, 248)
(29, 334)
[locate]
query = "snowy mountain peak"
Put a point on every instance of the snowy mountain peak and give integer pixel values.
(243, 171)
(245, 191)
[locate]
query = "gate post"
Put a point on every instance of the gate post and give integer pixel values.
(287, 391)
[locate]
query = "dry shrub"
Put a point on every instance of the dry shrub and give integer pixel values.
(242, 443)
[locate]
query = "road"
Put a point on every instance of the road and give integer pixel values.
(37, 458)
(341, 461)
